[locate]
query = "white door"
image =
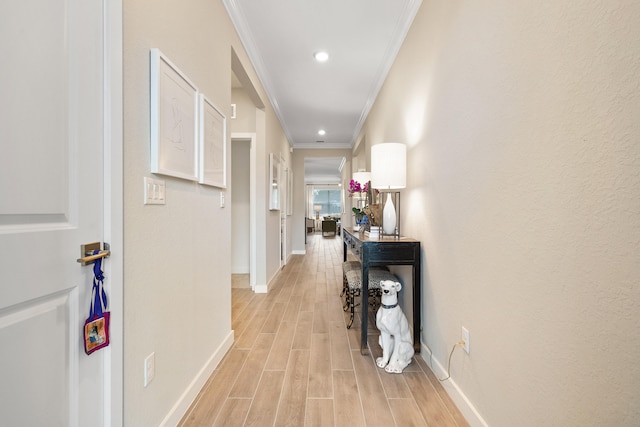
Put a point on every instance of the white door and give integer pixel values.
(51, 202)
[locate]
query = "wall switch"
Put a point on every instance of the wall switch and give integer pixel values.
(149, 368)
(465, 337)
(222, 199)
(154, 191)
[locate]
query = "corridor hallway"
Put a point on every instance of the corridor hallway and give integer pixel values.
(295, 364)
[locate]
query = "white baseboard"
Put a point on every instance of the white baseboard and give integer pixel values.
(302, 252)
(240, 269)
(459, 398)
(260, 289)
(264, 288)
(184, 402)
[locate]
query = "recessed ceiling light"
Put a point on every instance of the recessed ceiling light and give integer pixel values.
(321, 56)
(321, 132)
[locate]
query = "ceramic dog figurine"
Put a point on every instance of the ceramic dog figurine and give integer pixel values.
(395, 336)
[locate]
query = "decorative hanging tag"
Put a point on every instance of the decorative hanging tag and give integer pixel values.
(96, 327)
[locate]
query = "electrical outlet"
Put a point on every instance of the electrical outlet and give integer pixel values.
(465, 337)
(149, 368)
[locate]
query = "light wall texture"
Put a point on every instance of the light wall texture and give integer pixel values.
(245, 120)
(245, 123)
(177, 272)
(240, 202)
(522, 121)
(278, 144)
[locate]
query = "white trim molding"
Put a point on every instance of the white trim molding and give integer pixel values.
(181, 407)
(465, 406)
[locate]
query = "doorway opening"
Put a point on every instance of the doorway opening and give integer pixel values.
(243, 215)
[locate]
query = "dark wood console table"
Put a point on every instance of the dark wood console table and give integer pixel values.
(380, 252)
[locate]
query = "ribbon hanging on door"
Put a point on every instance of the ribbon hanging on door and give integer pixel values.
(96, 327)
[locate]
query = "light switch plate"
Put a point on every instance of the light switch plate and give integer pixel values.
(154, 191)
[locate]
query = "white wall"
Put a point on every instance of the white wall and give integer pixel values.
(270, 138)
(522, 125)
(275, 142)
(177, 263)
(240, 205)
(245, 123)
(177, 256)
(245, 120)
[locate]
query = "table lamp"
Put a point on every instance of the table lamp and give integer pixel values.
(362, 177)
(389, 172)
(317, 208)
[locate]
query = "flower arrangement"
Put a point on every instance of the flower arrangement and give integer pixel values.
(361, 216)
(360, 191)
(365, 215)
(356, 187)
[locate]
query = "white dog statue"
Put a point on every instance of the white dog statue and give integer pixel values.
(395, 336)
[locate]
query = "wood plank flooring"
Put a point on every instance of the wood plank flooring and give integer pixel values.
(295, 364)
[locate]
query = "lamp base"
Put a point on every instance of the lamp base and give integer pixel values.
(391, 214)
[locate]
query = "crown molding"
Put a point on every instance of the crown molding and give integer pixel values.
(244, 34)
(402, 28)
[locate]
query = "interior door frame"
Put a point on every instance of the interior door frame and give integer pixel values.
(113, 206)
(284, 189)
(253, 222)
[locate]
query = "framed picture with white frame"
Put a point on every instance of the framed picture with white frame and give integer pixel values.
(290, 193)
(173, 104)
(274, 182)
(213, 152)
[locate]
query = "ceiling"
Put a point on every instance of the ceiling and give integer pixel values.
(323, 170)
(362, 38)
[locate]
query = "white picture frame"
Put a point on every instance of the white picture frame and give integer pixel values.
(174, 127)
(213, 144)
(290, 193)
(284, 185)
(274, 182)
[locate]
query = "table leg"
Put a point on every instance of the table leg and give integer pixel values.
(344, 251)
(364, 309)
(416, 304)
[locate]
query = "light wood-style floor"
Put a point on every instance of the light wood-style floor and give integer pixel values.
(294, 363)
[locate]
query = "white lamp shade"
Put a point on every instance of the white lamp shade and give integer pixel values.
(317, 208)
(389, 166)
(362, 177)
